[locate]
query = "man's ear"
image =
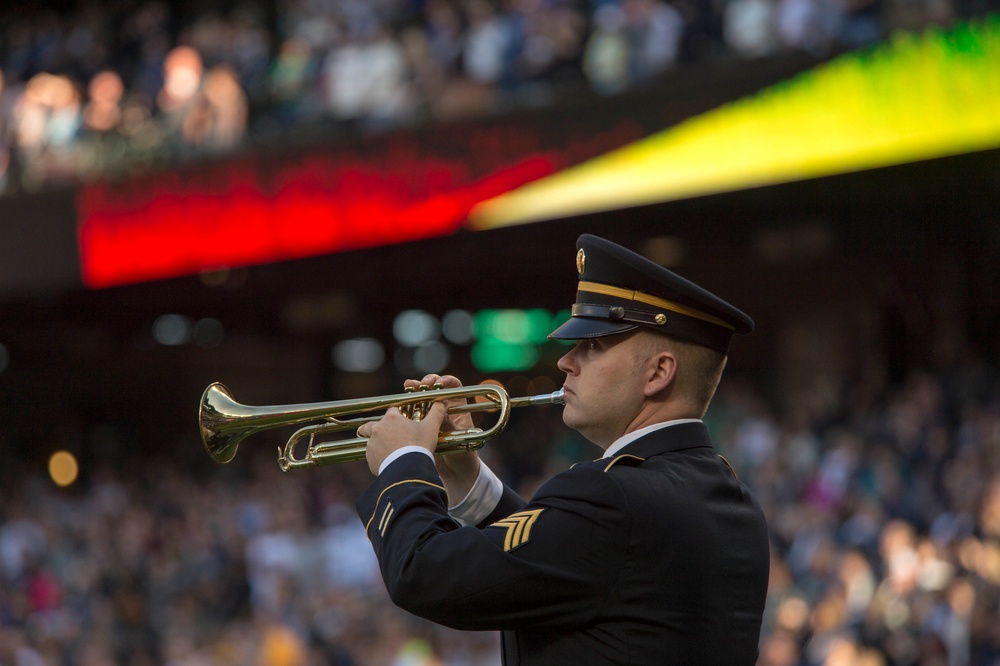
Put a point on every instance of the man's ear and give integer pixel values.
(661, 373)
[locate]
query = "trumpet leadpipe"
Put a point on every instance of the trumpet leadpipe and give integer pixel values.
(554, 398)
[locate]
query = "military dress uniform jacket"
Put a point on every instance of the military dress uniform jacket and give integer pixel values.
(656, 556)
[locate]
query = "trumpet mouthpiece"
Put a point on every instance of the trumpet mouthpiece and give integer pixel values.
(554, 398)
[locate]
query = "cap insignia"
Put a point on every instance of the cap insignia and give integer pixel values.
(581, 261)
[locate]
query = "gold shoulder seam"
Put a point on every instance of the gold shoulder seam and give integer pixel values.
(722, 458)
(622, 457)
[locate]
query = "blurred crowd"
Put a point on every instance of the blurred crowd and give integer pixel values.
(884, 516)
(100, 87)
(882, 496)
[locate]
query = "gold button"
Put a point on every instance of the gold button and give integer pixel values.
(660, 319)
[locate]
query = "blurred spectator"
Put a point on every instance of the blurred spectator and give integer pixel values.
(365, 78)
(142, 47)
(289, 82)
(428, 80)
(182, 70)
(102, 113)
(655, 30)
(860, 22)
(46, 119)
(807, 25)
(217, 119)
(5, 147)
(748, 27)
(443, 30)
(606, 55)
(914, 15)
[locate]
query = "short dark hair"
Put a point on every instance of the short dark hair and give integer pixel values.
(699, 368)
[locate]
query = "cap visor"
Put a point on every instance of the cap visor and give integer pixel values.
(579, 328)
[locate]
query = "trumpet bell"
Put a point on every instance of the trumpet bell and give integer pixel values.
(218, 408)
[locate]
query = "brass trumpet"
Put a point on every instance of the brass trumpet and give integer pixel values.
(224, 423)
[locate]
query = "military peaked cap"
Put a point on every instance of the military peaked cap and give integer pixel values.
(620, 291)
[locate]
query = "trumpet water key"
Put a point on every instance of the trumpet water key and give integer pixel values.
(224, 423)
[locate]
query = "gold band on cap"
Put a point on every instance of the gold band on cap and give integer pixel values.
(640, 297)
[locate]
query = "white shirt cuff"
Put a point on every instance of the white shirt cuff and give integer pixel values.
(389, 459)
(483, 497)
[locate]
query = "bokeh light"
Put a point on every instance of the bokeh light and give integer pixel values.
(432, 357)
(172, 330)
(208, 333)
(415, 327)
(358, 355)
(63, 468)
(458, 326)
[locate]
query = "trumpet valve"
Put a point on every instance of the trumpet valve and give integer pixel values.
(407, 409)
(418, 410)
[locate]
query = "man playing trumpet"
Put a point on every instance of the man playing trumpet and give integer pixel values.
(654, 554)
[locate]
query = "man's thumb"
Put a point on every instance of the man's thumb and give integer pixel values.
(436, 415)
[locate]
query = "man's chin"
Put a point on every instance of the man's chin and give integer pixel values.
(572, 420)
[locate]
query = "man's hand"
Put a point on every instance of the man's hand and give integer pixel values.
(458, 470)
(455, 422)
(394, 431)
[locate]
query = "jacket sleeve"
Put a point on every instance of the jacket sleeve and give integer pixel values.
(550, 563)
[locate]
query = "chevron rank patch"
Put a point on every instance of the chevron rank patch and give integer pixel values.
(518, 526)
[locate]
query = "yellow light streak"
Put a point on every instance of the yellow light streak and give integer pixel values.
(915, 97)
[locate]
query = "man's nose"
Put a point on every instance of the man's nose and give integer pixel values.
(567, 363)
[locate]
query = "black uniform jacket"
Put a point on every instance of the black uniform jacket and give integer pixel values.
(657, 556)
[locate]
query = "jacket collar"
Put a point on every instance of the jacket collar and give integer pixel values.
(688, 435)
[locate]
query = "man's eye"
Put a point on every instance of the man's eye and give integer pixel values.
(593, 345)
